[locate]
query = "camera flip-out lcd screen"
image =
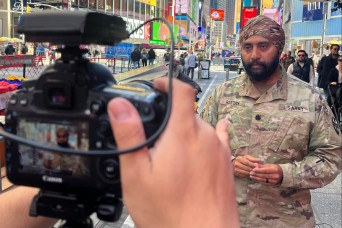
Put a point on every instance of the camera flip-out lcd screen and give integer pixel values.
(67, 135)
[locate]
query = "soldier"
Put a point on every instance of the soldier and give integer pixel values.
(284, 138)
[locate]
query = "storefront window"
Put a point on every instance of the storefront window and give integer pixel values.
(3, 5)
(137, 10)
(130, 7)
(124, 5)
(116, 6)
(100, 4)
(92, 4)
(153, 12)
(83, 3)
(109, 5)
(142, 7)
(148, 8)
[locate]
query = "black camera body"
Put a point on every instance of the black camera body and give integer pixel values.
(67, 107)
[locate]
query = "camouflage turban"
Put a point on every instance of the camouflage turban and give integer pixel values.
(265, 27)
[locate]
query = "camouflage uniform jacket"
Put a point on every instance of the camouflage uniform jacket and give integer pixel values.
(291, 125)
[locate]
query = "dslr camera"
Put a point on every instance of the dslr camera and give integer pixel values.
(66, 108)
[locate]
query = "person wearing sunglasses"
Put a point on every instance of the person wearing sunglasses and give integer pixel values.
(325, 65)
(302, 69)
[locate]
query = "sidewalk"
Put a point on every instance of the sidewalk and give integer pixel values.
(327, 204)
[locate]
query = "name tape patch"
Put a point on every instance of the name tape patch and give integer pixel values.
(295, 108)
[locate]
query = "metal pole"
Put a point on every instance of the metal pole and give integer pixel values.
(323, 32)
(211, 33)
(227, 74)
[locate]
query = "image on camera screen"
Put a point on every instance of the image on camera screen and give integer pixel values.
(73, 135)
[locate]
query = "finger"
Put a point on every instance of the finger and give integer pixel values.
(252, 159)
(129, 132)
(221, 132)
(243, 161)
(241, 166)
(265, 168)
(182, 92)
(241, 173)
(263, 180)
(182, 107)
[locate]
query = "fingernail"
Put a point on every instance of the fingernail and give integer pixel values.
(121, 112)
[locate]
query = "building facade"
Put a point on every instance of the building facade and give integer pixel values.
(133, 11)
(310, 31)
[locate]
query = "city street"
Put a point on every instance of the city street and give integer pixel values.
(326, 201)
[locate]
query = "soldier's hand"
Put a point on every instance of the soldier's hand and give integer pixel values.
(243, 165)
(267, 174)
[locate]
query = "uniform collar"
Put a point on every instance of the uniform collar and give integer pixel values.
(277, 91)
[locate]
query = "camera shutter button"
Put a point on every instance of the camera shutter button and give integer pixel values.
(97, 106)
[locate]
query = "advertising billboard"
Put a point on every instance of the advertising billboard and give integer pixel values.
(183, 28)
(217, 15)
(147, 31)
(182, 7)
(272, 13)
(312, 11)
(132, 24)
(161, 32)
(248, 13)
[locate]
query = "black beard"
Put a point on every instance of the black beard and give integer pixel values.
(266, 71)
(64, 145)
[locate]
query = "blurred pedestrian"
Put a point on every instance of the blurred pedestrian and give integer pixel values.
(310, 60)
(288, 60)
(9, 50)
(182, 62)
(191, 64)
(40, 50)
(167, 55)
(135, 57)
(335, 86)
(335, 74)
(186, 65)
(24, 49)
(144, 56)
(151, 56)
(302, 69)
(325, 65)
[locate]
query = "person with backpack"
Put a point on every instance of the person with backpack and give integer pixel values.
(167, 56)
(151, 56)
(144, 56)
(24, 49)
(135, 57)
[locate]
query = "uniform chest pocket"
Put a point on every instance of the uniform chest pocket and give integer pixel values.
(291, 139)
(238, 117)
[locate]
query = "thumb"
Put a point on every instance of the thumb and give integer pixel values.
(128, 132)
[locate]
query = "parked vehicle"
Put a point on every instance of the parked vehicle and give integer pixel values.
(232, 63)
